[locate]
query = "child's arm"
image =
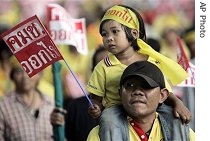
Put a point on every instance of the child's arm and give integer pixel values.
(180, 110)
(97, 108)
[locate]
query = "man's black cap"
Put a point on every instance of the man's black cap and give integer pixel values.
(146, 70)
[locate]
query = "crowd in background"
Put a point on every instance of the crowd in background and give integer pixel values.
(164, 20)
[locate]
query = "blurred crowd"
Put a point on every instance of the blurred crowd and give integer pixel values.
(164, 21)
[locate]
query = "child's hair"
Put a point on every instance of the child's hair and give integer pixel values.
(142, 33)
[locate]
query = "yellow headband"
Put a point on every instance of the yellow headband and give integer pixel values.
(122, 15)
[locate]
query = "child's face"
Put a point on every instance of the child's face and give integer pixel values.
(114, 37)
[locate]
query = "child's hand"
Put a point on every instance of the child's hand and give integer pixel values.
(94, 111)
(182, 112)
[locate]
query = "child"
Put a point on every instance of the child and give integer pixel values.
(123, 33)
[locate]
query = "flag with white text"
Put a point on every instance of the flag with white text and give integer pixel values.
(32, 45)
(66, 30)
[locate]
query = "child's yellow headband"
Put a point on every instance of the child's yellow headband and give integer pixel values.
(122, 15)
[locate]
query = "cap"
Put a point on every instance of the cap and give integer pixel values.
(146, 70)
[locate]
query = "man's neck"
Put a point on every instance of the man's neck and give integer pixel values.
(145, 123)
(31, 98)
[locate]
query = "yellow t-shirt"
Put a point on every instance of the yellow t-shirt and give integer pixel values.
(155, 135)
(105, 80)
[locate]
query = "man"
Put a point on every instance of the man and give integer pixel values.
(142, 90)
(25, 113)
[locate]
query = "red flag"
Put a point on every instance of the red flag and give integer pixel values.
(189, 67)
(32, 45)
(181, 56)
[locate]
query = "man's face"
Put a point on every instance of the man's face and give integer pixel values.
(23, 82)
(138, 99)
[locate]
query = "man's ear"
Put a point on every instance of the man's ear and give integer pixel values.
(135, 33)
(164, 93)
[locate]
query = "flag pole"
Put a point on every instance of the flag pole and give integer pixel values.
(58, 130)
(78, 83)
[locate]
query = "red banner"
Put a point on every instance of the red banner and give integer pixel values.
(66, 30)
(181, 55)
(32, 45)
(184, 62)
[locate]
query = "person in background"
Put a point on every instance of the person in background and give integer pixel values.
(189, 38)
(7, 60)
(5, 64)
(168, 26)
(125, 39)
(169, 43)
(143, 90)
(25, 112)
(78, 123)
(154, 43)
